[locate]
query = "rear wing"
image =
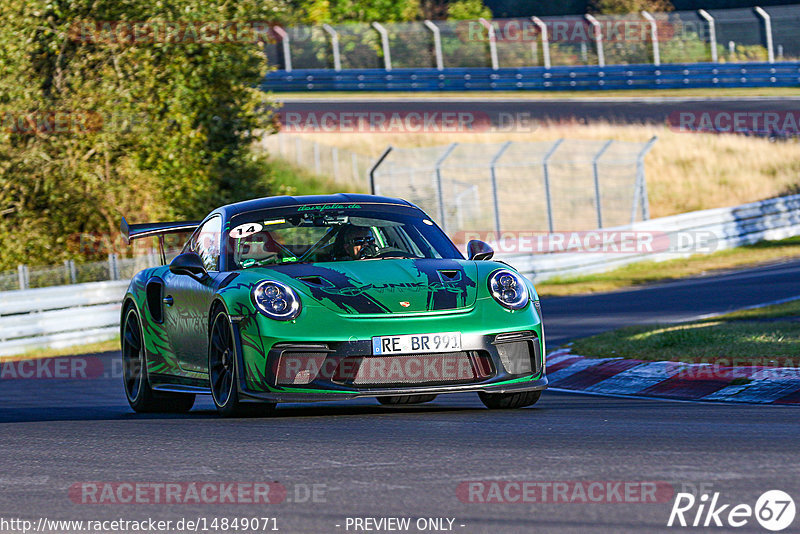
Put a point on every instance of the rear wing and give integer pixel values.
(138, 231)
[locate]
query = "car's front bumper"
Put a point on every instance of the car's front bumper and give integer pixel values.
(495, 369)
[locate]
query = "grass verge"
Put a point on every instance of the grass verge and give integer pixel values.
(759, 336)
(75, 350)
(649, 272)
(289, 179)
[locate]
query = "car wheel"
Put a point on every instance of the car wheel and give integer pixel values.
(405, 399)
(499, 401)
(138, 391)
(223, 373)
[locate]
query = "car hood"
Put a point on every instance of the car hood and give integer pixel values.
(387, 286)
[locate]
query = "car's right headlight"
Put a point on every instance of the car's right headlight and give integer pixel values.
(508, 289)
(277, 301)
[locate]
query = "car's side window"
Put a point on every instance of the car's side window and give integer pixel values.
(206, 243)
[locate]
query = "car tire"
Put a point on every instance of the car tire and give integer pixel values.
(504, 401)
(138, 390)
(405, 399)
(223, 373)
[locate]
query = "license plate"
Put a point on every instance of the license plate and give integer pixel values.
(417, 343)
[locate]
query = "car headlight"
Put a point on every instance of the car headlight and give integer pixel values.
(276, 301)
(508, 288)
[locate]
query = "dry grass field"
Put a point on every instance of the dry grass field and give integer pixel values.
(685, 171)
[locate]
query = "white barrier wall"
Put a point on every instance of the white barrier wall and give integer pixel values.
(60, 316)
(718, 229)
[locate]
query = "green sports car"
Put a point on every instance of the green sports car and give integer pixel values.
(294, 299)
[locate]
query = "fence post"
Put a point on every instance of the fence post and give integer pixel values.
(492, 167)
(598, 201)
(546, 174)
(492, 41)
(598, 40)
(335, 158)
(374, 167)
(712, 33)
(285, 44)
(640, 189)
(280, 143)
(653, 37)
(73, 273)
(337, 60)
(437, 43)
(22, 275)
(387, 53)
(113, 271)
(545, 41)
(768, 27)
(439, 192)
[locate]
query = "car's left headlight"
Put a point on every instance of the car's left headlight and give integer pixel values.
(277, 301)
(508, 288)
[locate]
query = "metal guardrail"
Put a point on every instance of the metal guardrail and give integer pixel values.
(686, 75)
(61, 316)
(70, 315)
(718, 228)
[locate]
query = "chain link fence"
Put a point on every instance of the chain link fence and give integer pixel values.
(729, 35)
(115, 268)
(542, 186)
(347, 168)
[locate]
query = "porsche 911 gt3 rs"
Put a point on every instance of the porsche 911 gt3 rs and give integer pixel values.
(288, 299)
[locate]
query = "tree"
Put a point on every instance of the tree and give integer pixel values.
(100, 120)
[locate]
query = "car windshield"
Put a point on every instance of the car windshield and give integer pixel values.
(333, 232)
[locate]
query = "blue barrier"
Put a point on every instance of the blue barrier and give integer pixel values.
(784, 74)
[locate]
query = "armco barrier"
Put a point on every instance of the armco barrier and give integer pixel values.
(645, 76)
(776, 218)
(61, 316)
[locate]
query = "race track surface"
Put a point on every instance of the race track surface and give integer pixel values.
(500, 110)
(369, 460)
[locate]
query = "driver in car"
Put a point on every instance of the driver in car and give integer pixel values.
(354, 243)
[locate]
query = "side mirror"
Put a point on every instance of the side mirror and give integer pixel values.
(478, 250)
(188, 263)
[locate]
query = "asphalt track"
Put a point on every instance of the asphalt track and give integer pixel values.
(372, 461)
(528, 111)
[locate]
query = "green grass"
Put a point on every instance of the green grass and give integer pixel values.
(758, 336)
(687, 93)
(76, 350)
(288, 179)
(649, 272)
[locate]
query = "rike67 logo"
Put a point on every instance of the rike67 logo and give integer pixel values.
(774, 510)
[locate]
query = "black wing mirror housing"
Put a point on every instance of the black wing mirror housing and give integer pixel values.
(188, 263)
(478, 250)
